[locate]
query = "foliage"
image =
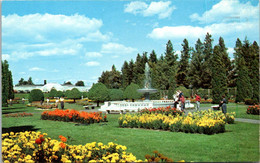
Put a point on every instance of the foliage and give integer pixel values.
(206, 64)
(60, 94)
(158, 157)
(24, 82)
(219, 79)
(73, 116)
(183, 68)
(116, 94)
(80, 83)
(7, 83)
(74, 94)
(186, 92)
(131, 92)
(244, 87)
(53, 93)
(253, 110)
(111, 79)
(98, 92)
(67, 83)
(249, 101)
(195, 71)
(36, 95)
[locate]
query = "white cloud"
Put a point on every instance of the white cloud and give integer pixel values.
(92, 63)
(228, 11)
(5, 56)
(115, 48)
(93, 54)
(160, 8)
(36, 69)
(48, 35)
(135, 7)
(191, 32)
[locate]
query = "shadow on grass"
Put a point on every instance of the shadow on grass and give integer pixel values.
(9, 108)
(10, 112)
(19, 129)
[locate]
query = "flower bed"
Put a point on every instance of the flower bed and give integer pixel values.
(74, 116)
(45, 106)
(253, 110)
(167, 111)
(207, 122)
(18, 114)
(36, 147)
(201, 101)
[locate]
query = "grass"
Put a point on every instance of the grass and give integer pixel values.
(239, 143)
(239, 109)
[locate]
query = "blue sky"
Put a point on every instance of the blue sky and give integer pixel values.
(62, 41)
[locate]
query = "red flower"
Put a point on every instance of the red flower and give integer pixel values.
(39, 141)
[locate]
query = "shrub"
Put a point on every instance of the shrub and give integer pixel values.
(186, 92)
(131, 92)
(253, 110)
(116, 94)
(249, 101)
(36, 95)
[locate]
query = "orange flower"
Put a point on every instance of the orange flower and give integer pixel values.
(62, 145)
(62, 138)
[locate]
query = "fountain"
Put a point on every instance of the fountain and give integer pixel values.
(126, 106)
(147, 90)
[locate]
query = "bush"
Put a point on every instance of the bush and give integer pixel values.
(116, 94)
(253, 110)
(186, 92)
(249, 101)
(36, 95)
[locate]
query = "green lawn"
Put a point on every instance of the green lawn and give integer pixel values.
(239, 109)
(239, 143)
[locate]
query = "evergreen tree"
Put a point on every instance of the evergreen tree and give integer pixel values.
(125, 75)
(171, 62)
(21, 81)
(219, 79)
(226, 60)
(195, 73)
(131, 72)
(183, 68)
(206, 65)
(115, 78)
(104, 78)
(244, 88)
(30, 82)
(7, 83)
(80, 83)
(254, 73)
(152, 58)
(138, 70)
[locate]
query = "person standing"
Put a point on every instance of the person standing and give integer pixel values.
(57, 102)
(23, 100)
(11, 102)
(62, 103)
(197, 98)
(224, 105)
(182, 99)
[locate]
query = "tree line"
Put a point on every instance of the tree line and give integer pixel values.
(202, 66)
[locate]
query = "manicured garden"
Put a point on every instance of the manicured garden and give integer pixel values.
(239, 142)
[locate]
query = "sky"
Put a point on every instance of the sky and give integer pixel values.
(62, 41)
